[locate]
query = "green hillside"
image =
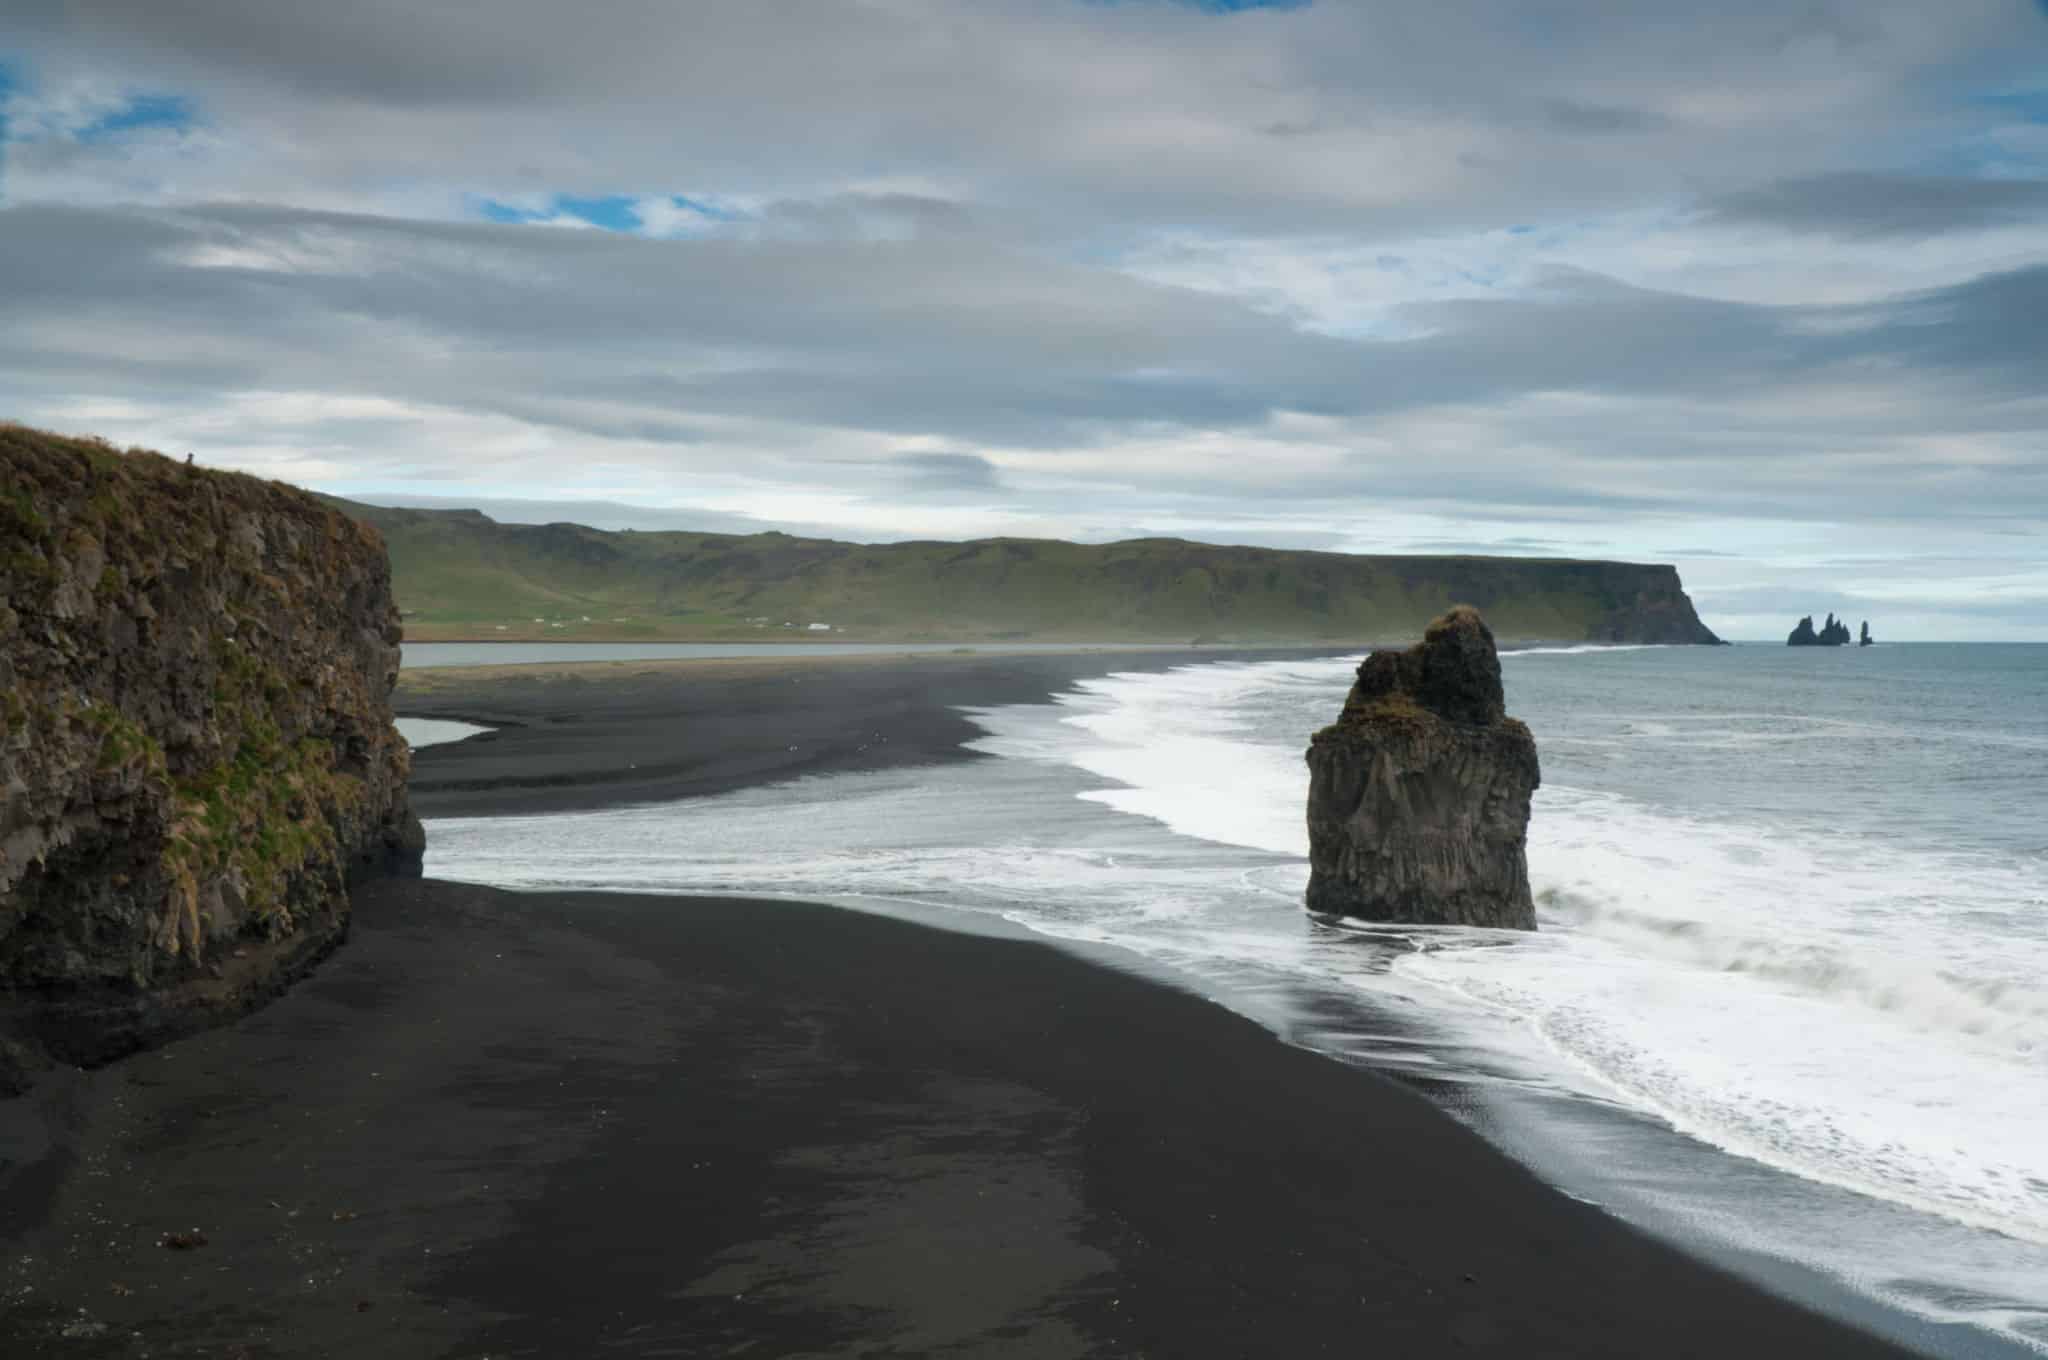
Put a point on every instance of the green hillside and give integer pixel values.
(460, 574)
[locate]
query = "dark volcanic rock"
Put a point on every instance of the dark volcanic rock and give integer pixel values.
(1832, 634)
(1647, 605)
(196, 748)
(1418, 803)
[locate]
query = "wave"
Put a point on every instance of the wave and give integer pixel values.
(2002, 1009)
(1854, 1010)
(1586, 649)
(1857, 1011)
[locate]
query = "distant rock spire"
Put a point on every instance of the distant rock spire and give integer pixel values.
(1832, 634)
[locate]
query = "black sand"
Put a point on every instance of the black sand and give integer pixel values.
(603, 733)
(580, 1125)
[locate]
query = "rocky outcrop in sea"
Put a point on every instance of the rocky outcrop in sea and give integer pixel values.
(196, 746)
(1418, 804)
(1832, 634)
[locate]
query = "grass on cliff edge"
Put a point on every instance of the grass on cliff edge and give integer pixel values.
(460, 575)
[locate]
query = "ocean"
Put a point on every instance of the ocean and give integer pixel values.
(1789, 999)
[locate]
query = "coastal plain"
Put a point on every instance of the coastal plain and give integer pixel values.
(572, 1124)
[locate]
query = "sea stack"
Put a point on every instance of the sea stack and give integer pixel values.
(196, 746)
(1832, 634)
(1418, 802)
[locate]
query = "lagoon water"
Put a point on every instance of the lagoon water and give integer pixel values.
(1789, 1000)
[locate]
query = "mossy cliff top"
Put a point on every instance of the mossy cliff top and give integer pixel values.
(196, 746)
(1451, 676)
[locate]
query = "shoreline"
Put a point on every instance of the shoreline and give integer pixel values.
(746, 1124)
(906, 646)
(989, 1144)
(577, 736)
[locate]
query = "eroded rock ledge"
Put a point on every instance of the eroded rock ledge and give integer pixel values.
(1418, 805)
(196, 748)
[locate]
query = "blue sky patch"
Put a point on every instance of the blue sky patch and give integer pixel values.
(2028, 105)
(143, 112)
(492, 210)
(718, 214)
(9, 83)
(613, 212)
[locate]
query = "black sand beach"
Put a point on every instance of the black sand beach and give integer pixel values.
(604, 733)
(576, 1125)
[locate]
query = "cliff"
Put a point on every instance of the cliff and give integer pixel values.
(1648, 604)
(1418, 805)
(196, 749)
(461, 574)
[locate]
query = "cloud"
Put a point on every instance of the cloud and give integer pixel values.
(948, 472)
(1518, 545)
(1061, 113)
(1906, 207)
(597, 514)
(824, 357)
(1573, 278)
(1569, 115)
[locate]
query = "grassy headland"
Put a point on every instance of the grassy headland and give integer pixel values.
(462, 575)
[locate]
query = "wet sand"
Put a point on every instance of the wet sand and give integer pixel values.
(581, 1124)
(598, 734)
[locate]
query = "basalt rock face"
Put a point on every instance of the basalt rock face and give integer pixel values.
(1833, 633)
(196, 747)
(1649, 605)
(1418, 803)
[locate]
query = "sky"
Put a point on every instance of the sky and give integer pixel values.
(1754, 287)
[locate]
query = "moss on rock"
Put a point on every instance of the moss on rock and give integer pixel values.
(196, 744)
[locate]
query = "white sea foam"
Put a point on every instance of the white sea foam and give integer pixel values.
(1857, 1009)
(1584, 648)
(1176, 749)
(1859, 1012)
